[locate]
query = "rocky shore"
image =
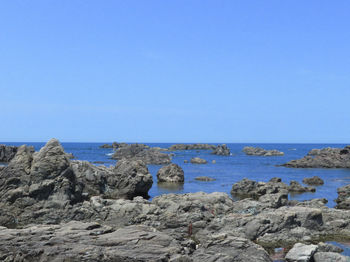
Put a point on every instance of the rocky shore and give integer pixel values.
(54, 208)
(7, 153)
(323, 158)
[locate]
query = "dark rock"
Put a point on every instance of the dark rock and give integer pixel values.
(7, 153)
(171, 173)
(142, 152)
(315, 181)
(258, 151)
(185, 161)
(114, 145)
(221, 150)
(204, 178)
(197, 160)
(192, 147)
(323, 158)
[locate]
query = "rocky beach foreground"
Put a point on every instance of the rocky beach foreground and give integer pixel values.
(55, 208)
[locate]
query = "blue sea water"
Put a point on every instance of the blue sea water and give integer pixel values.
(228, 169)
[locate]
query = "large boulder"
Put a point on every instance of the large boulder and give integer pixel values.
(258, 151)
(221, 150)
(323, 158)
(7, 153)
(171, 173)
(329, 257)
(301, 253)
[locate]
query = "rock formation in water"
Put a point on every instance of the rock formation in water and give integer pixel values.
(221, 150)
(313, 181)
(197, 160)
(323, 158)
(192, 147)
(7, 153)
(142, 152)
(258, 151)
(171, 174)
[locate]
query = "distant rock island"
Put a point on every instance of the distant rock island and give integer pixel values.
(258, 151)
(323, 158)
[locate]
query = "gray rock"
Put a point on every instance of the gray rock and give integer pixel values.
(258, 151)
(323, 158)
(330, 257)
(171, 173)
(327, 247)
(343, 200)
(204, 178)
(185, 161)
(221, 150)
(213, 161)
(295, 187)
(315, 181)
(7, 153)
(301, 253)
(197, 160)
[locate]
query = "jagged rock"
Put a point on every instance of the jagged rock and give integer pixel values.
(323, 158)
(171, 173)
(142, 152)
(221, 150)
(301, 253)
(114, 145)
(77, 241)
(258, 151)
(7, 153)
(191, 147)
(330, 257)
(343, 200)
(204, 178)
(197, 160)
(315, 180)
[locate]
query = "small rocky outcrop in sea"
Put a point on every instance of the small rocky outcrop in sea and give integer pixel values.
(191, 147)
(171, 173)
(221, 150)
(7, 153)
(114, 145)
(142, 152)
(313, 181)
(323, 158)
(249, 188)
(204, 178)
(343, 200)
(258, 151)
(197, 160)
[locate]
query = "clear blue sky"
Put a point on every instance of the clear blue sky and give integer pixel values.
(175, 71)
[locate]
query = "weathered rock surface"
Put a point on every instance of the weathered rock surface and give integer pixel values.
(221, 150)
(343, 200)
(192, 147)
(142, 152)
(314, 181)
(301, 253)
(197, 160)
(330, 257)
(114, 145)
(258, 151)
(323, 158)
(77, 241)
(171, 173)
(295, 187)
(204, 178)
(7, 153)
